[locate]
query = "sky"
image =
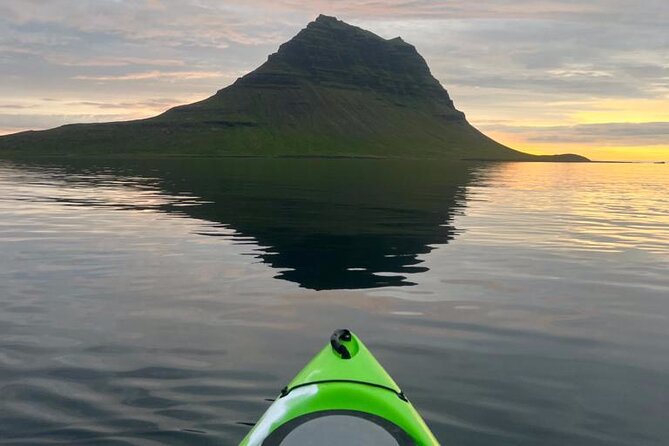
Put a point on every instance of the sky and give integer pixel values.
(545, 76)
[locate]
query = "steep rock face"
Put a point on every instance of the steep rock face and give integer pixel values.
(330, 52)
(332, 90)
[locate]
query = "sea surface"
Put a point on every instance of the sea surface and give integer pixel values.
(168, 301)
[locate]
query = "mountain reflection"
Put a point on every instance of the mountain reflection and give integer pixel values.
(324, 224)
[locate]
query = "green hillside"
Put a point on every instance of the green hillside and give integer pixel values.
(332, 90)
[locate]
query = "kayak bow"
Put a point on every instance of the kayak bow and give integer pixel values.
(342, 397)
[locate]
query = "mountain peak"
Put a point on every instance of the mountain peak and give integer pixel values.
(322, 18)
(334, 53)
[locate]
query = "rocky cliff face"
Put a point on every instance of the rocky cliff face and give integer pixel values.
(332, 53)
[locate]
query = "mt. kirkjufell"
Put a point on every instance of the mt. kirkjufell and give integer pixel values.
(332, 90)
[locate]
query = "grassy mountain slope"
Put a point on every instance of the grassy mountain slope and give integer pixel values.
(332, 90)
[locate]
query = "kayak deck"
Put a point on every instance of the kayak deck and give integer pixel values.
(342, 396)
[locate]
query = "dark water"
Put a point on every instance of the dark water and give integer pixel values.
(163, 302)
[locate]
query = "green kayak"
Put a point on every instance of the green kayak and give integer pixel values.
(342, 397)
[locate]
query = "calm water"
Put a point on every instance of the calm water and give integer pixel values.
(164, 302)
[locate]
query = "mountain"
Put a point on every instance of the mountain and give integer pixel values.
(332, 90)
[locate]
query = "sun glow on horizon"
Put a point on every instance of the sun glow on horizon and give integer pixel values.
(601, 130)
(624, 110)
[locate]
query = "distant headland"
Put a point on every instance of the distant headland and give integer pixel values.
(333, 90)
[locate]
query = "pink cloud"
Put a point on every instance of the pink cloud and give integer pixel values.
(173, 75)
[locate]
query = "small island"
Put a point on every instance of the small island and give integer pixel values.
(333, 90)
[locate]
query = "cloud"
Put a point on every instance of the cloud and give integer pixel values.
(151, 103)
(620, 134)
(179, 75)
(51, 112)
(467, 9)
(589, 86)
(73, 61)
(15, 106)
(207, 23)
(12, 123)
